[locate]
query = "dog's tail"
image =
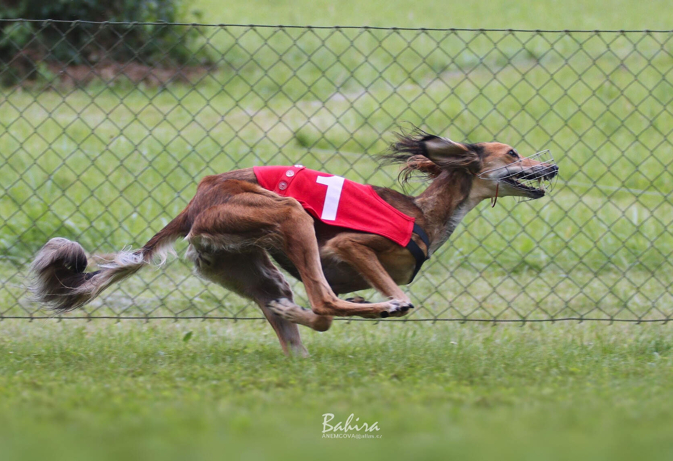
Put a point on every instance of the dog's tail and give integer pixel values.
(58, 279)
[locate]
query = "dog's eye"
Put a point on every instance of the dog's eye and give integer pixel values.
(513, 153)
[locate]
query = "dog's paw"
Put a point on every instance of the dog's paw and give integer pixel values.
(397, 309)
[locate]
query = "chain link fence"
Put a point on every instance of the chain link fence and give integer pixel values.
(104, 143)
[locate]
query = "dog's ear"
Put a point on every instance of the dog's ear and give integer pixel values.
(438, 148)
(443, 152)
(450, 154)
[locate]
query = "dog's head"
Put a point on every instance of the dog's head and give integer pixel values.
(514, 175)
(497, 169)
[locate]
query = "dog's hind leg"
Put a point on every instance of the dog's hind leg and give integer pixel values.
(253, 276)
(252, 220)
(287, 309)
(266, 220)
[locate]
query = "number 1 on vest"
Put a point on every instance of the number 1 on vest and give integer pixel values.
(334, 185)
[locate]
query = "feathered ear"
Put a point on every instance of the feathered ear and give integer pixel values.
(418, 164)
(442, 152)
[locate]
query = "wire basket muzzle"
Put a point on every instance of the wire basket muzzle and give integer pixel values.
(535, 173)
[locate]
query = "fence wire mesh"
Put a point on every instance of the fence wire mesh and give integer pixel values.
(106, 128)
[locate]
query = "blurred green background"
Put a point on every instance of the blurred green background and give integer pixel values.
(108, 160)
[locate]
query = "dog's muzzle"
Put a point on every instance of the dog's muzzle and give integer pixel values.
(535, 181)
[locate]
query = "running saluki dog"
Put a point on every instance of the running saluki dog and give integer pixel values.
(238, 221)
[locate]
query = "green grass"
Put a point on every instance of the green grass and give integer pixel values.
(136, 391)
(514, 14)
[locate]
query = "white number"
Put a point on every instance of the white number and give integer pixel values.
(334, 185)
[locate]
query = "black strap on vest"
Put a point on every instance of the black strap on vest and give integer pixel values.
(416, 250)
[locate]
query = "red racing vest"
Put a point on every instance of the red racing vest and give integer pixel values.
(338, 201)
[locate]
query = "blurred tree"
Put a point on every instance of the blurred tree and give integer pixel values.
(24, 44)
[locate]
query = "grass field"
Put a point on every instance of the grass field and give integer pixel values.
(81, 163)
(505, 14)
(136, 391)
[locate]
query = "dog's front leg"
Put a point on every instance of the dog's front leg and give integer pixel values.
(365, 260)
(296, 228)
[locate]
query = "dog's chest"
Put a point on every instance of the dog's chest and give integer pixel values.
(450, 226)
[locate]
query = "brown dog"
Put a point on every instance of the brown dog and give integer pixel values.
(234, 227)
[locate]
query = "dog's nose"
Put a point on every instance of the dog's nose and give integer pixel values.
(552, 170)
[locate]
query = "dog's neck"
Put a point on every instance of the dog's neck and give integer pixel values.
(444, 204)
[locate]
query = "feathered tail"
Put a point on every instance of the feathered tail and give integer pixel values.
(58, 279)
